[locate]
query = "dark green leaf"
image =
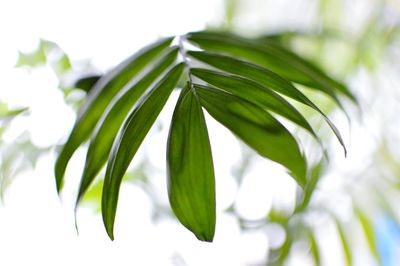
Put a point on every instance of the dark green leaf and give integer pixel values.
(257, 128)
(254, 93)
(87, 83)
(272, 56)
(128, 140)
(110, 122)
(263, 76)
(101, 95)
(191, 185)
(253, 72)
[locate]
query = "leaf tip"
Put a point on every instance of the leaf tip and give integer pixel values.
(205, 237)
(110, 234)
(76, 224)
(58, 178)
(109, 226)
(344, 149)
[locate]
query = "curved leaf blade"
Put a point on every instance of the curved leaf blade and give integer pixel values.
(345, 243)
(110, 122)
(254, 93)
(98, 99)
(314, 248)
(278, 257)
(191, 184)
(128, 140)
(257, 128)
(309, 189)
(264, 77)
(272, 56)
(253, 72)
(369, 233)
(7, 114)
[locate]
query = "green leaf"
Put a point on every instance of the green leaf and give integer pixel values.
(253, 72)
(93, 195)
(191, 184)
(262, 76)
(36, 58)
(272, 56)
(110, 122)
(345, 244)
(62, 64)
(369, 233)
(257, 128)
(279, 256)
(9, 114)
(128, 140)
(87, 83)
(254, 93)
(315, 175)
(314, 248)
(101, 95)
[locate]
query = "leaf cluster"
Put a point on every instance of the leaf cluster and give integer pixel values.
(245, 84)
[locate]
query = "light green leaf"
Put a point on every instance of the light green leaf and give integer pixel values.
(279, 256)
(101, 95)
(345, 244)
(92, 196)
(110, 122)
(191, 184)
(369, 233)
(314, 248)
(272, 56)
(9, 114)
(128, 140)
(62, 64)
(315, 175)
(257, 128)
(254, 93)
(36, 58)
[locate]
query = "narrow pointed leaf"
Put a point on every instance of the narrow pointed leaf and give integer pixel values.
(345, 244)
(315, 175)
(9, 114)
(264, 77)
(257, 128)
(255, 93)
(129, 138)
(279, 256)
(191, 185)
(110, 122)
(98, 99)
(253, 72)
(272, 56)
(369, 233)
(314, 248)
